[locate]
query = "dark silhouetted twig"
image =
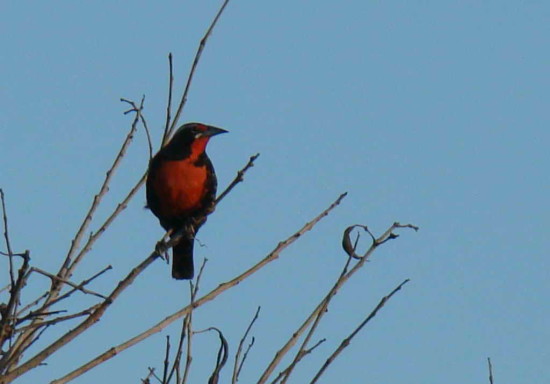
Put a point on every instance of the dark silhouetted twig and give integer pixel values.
(348, 339)
(202, 44)
(239, 178)
(490, 370)
(238, 363)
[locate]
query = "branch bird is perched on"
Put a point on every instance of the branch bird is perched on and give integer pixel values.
(181, 189)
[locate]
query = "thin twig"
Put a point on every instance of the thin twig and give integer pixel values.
(69, 265)
(149, 375)
(319, 312)
(33, 314)
(70, 283)
(202, 44)
(7, 237)
(32, 303)
(348, 339)
(189, 323)
(273, 255)
(239, 178)
(14, 354)
(7, 323)
(87, 323)
(169, 103)
(120, 207)
(85, 312)
(188, 329)
(166, 360)
(388, 234)
(140, 117)
(314, 316)
(245, 355)
(237, 367)
(490, 370)
(81, 285)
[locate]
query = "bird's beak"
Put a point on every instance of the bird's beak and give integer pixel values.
(212, 131)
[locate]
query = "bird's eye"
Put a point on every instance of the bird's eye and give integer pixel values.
(198, 134)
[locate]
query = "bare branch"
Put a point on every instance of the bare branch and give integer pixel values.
(69, 265)
(32, 303)
(81, 285)
(88, 322)
(237, 367)
(318, 314)
(187, 330)
(245, 355)
(388, 234)
(273, 255)
(7, 237)
(348, 339)
(239, 178)
(202, 44)
(151, 373)
(7, 323)
(169, 103)
(48, 323)
(70, 283)
(166, 360)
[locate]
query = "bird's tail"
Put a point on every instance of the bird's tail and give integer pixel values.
(182, 260)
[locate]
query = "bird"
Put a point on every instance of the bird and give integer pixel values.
(181, 189)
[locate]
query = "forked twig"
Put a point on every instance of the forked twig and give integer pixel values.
(348, 339)
(319, 313)
(273, 255)
(239, 364)
(48, 323)
(78, 287)
(69, 265)
(387, 235)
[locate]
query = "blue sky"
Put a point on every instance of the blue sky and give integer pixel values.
(430, 112)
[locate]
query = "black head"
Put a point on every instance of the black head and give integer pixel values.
(190, 139)
(192, 131)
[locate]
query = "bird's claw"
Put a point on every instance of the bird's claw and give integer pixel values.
(160, 249)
